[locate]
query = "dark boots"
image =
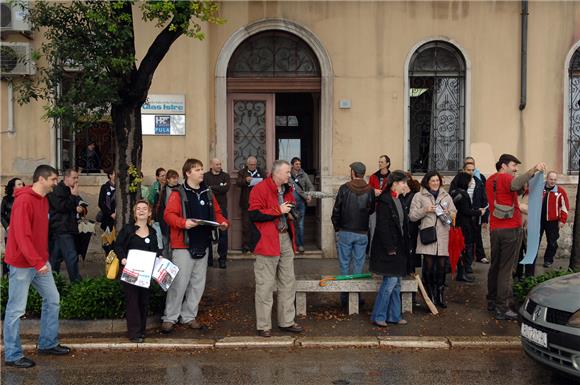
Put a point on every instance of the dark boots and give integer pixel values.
(440, 290)
(430, 285)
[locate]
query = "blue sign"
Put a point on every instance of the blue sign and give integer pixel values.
(162, 124)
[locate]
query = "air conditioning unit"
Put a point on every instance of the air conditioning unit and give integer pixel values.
(16, 59)
(13, 17)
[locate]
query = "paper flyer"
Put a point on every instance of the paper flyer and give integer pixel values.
(164, 272)
(139, 268)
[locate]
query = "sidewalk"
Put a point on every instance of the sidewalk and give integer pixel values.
(227, 309)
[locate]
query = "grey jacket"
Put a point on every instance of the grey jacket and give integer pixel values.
(301, 183)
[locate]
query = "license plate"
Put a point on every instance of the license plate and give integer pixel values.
(534, 335)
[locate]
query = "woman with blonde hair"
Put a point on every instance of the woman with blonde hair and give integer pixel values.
(139, 236)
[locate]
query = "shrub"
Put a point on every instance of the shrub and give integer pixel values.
(522, 288)
(94, 298)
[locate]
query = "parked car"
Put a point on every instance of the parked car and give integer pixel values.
(550, 328)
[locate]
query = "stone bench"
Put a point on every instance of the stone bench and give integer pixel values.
(352, 287)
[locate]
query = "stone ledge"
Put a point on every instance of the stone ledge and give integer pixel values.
(342, 342)
(254, 342)
(482, 342)
(414, 342)
(31, 327)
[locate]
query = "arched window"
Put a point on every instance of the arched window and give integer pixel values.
(273, 54)
(574, 106)
(436, 108)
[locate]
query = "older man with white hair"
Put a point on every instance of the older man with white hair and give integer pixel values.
(248, 176)
(271, 203)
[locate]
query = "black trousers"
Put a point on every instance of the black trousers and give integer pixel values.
(478, 238)
(137, 301)
(222, 249)
(552, 230)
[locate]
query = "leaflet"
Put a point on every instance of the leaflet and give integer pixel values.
(255, 181)
(205, 222)
(164, 272)
(139, 268)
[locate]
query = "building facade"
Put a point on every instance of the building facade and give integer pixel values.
(335, 82)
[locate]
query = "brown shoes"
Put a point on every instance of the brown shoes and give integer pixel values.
(193, 324)
(166, 327)
(265, 333)
(292, 329)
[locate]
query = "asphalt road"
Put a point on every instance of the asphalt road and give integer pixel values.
(282, 366)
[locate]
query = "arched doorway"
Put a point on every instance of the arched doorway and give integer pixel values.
(274, 78)
(436, 108)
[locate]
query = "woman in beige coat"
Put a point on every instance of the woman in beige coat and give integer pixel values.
(430, 199)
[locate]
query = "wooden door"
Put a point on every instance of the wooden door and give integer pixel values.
(251, 131)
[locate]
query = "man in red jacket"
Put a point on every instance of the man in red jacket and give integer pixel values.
(555, 208)
(272, 241)
(505, 223)
(190, 238)
(27, 256)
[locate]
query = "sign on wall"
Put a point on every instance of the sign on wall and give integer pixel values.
(163, 115)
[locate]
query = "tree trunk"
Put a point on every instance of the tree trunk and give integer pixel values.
(128, 149)
(575, 253)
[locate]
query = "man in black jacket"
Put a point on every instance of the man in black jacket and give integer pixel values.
(479, 201)
(354, 203)
(63, 226)
(219, 182)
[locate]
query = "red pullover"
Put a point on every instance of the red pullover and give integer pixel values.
(28, 235)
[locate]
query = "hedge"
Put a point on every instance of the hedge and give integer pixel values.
(523, 287)
(89, 299)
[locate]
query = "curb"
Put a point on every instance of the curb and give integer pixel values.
(105, 326)
(252, 342)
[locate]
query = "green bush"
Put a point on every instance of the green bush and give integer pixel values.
(94, 298)
(523, 287)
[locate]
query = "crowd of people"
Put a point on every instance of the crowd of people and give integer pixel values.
(401, 224)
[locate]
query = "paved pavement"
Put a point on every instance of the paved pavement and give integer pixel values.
(287, 366)
(227, 308)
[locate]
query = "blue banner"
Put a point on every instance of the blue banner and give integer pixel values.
(536, 189)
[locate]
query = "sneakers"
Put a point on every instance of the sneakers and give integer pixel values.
(507, 316)
(22, 363)
(381, 324)
(301, 249)
(483, 260)
(265, 333)
(548, 264)
(166, 327)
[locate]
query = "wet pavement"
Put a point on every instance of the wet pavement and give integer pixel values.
(227, 308)
(282, 366)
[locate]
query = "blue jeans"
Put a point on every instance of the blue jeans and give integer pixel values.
(301, 208)
(351, 251)
(64, 247)
(388, 302)
(18, 286)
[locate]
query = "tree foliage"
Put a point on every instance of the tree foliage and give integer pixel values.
(88, 54)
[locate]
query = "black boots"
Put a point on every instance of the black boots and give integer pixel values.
(440, 290)
(430, 286)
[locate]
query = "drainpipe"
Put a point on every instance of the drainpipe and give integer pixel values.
(524, 56)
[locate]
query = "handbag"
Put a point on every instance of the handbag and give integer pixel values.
(112, 265)
(501, 211)
(428, 235)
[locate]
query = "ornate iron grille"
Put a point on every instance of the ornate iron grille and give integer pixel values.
(274, 54)
(437, 108)
(574, 107)
(249, 132)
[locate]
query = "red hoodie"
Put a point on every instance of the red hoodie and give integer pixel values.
(28, 236)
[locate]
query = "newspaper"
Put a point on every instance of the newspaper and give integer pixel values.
(164, 272)
(139, 268)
